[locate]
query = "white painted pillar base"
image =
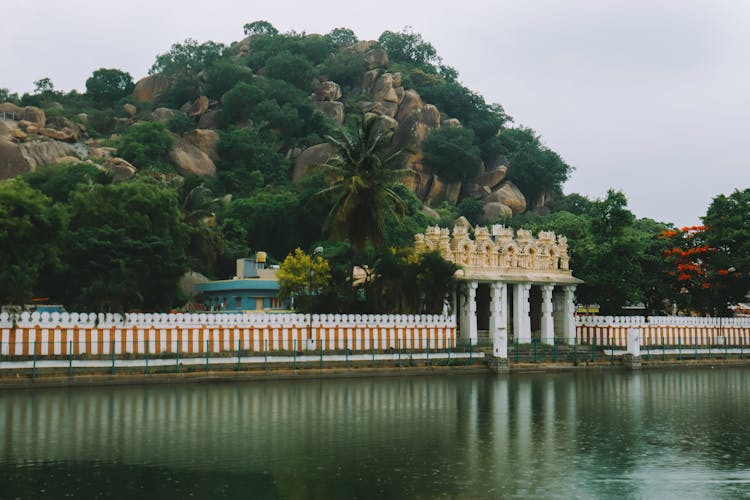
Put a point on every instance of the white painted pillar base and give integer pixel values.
(548, 325)
(499, 319)
(521, 319)
(569, 311)
(471, 311)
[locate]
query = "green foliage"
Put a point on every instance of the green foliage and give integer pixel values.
(266, 218)
(106, 86)
(534, 168)
(224, 75)
(184, 90)
(314, 48)
(58, 182)
(180, 123)
(198, 206)
(126, 248)
(302, 274)
(260, 28)
(7, 96)
(146, 146)
(470, 108)
(728, 230)
(340, 37)
(272, 104)
(31, 227)
(250, 159)
(188, 58)
(292, 68)
(410, 283)
(473, 210)
(344, 68)
(362, 174)
(574, 203)
(451, 153)
(43, 86)
(407, 46)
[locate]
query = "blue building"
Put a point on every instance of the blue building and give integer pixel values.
(255, 288)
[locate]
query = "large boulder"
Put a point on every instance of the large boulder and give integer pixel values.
(314, 155)
(368, 81)
(152, 87)
(496, 211)
(34, 115)
(189, 160)
(493, 177)
(11, 110)
(102, 152)
(17, 159)
(376, 58)
(205, 140)
(333, 110)
(413, 129)
(119, 169)
(419, 183)
(508, 194)
(130, 109)
(327, 91)
(411, 103)
(384, 92)
(199, 106)
(65, 135)
(441, 191)
(12, 161)
(164, 114)
(210, 119)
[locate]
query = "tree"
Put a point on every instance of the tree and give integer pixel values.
(147, 145)
(106, 86)
(260, 28)
(126, 248)
(249, 159)
(31, 228)
(451, 153)
(534, 168)
(303, 275)
(291, 68)
(43, 86)
(60, 181)
(198, 207)
(362, 173)
(407, 46)
(188, 58)
(728, 230)
(344, 68)
(340, 37)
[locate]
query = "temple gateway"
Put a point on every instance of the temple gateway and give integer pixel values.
(518, 286)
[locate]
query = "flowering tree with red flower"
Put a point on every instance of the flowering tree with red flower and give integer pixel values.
(694, 271)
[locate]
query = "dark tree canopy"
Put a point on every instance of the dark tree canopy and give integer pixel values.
(408, 46)
(106, 86)
(451, 153)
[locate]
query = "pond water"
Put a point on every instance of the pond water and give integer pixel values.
(682, 433)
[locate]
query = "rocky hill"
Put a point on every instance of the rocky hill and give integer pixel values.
(198, 91)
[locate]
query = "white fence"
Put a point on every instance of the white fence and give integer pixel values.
(105, 334)
(663, 330)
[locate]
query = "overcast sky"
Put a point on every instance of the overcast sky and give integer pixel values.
(651, 97)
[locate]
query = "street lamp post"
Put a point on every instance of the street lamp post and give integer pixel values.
(317, 253)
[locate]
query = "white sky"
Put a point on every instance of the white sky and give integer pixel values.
(651, 97)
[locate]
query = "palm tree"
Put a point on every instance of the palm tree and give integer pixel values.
(362, 173)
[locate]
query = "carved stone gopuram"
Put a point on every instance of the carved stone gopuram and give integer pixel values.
(498, 258)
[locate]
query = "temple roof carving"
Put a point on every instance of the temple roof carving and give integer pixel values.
(499, 253)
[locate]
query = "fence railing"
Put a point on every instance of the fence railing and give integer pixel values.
(64, 358)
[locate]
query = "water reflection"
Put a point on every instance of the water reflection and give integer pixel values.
(551, 435)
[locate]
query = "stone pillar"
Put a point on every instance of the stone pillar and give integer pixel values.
(468, 312)
(521, 319)
(569, 311)
(471, 311)
(499, 319)
(548, 326)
